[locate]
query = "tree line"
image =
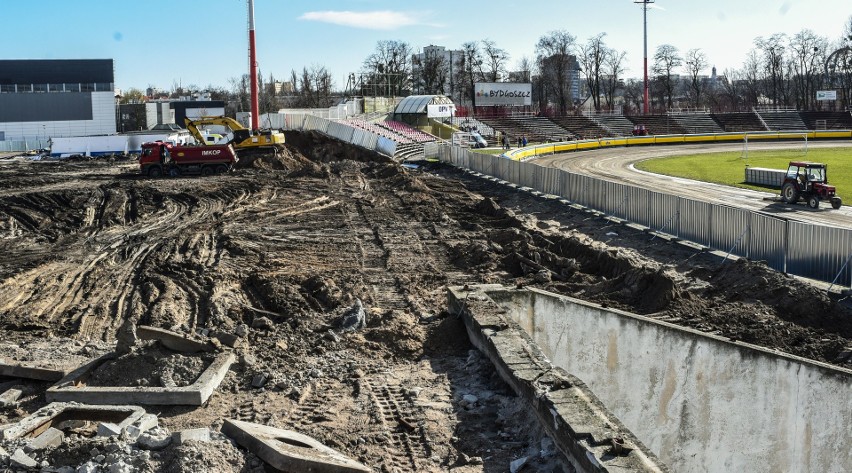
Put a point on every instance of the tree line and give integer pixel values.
(782, 70)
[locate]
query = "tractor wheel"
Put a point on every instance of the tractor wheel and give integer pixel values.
(155, 171)
(221, 169)
(836, 202)
(208, 171)
(813, 202)
(789, 193)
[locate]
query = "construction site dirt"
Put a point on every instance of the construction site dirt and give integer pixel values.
(274, 253)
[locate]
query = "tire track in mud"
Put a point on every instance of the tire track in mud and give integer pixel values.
(94, 282)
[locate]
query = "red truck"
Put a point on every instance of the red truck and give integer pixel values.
(160, 158)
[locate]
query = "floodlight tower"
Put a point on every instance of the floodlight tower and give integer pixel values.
(645, 21)
(255, 106)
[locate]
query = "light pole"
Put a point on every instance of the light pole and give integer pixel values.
(645, 34)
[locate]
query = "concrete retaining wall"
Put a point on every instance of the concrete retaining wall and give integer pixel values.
(701, 403)
(592, 438)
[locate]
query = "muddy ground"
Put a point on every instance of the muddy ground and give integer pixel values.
(285, 245)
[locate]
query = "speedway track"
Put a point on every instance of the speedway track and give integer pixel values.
(617, 165)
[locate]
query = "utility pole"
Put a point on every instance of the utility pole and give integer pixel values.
(255, 106)
(645, 22)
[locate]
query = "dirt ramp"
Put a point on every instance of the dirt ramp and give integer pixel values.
(323, 149)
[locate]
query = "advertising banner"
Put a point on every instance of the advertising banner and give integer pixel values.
(826, 95)
(490, 94)
(440, 110)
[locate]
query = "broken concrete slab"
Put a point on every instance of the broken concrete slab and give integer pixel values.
(10, 397)
(57, 413)
(50, 438)
(173, 340)
(147, 422)
(288, 450)
(22, 460)
(73, 388)
(33, 371)
(108, 429)
(199, 435)
(155, 439)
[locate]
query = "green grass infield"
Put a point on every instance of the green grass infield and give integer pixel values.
(729, 168)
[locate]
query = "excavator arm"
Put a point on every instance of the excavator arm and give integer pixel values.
(239, 132)
(243, 139)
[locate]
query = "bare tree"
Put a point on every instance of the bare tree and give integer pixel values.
(388, 68)
(592, 56)
(634, 95)
(525, 69)
(555, 56)
(695, 62)
(613, 69)
(430, 73)
(469, 70)
(839, 66)
(312, 87)
(773, 54)
(666, 60)
(494, 61)
(808, 56)
(240, 93)
(266, 94)
(752, 77)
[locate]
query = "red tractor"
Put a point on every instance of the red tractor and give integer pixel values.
(809, 182)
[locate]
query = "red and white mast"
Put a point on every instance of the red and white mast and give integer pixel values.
(255, 108)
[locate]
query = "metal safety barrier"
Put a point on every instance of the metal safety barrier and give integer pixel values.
(334, 129)
(813, 251)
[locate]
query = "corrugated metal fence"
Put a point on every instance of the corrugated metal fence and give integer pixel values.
(340, 131)
(813, 251)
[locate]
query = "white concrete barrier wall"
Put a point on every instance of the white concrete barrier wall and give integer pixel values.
(701, 403)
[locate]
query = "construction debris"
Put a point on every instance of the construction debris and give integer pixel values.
(259, 266)
(289, 451)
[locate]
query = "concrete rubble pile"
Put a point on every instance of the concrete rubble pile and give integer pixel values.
(68, 437)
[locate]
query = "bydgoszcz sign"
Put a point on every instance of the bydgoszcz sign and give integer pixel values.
(490, 94)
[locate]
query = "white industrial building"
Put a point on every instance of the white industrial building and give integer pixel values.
(56, 98)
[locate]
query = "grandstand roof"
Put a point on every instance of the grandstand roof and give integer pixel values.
(416, 104)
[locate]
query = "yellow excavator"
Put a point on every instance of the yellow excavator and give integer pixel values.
(245, 141)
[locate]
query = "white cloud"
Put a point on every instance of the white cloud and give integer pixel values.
(374, 20)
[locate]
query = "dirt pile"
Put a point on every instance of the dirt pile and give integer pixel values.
(278, 250)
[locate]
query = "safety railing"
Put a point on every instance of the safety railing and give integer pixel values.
(813, 251)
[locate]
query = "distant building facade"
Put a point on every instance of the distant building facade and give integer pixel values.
(434, 70)
(42, 98)
(144, 116)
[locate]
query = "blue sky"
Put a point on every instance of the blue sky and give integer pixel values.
(161, 43)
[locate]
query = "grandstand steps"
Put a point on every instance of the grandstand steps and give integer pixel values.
(698, 123)
(534, 128)
(658, 124)
(739, 121)
(582, 127)
(409, 151)
(827, 120)
(616, 125)
(782, 120)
